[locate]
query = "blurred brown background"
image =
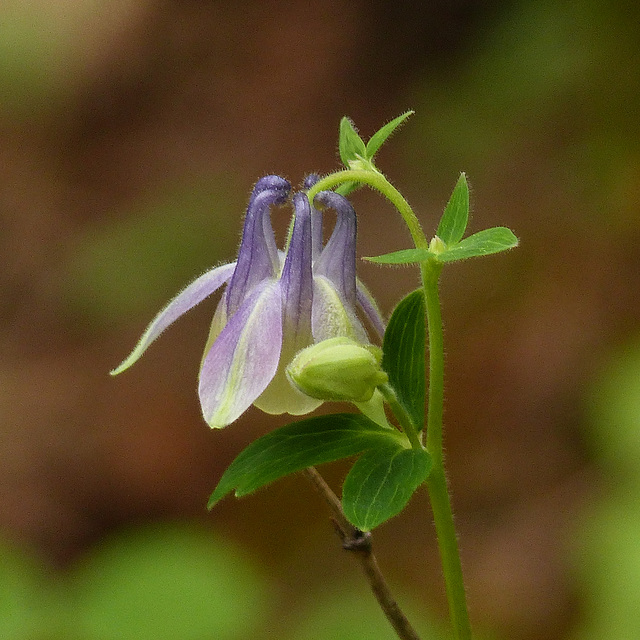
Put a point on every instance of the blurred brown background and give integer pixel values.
(132, 132)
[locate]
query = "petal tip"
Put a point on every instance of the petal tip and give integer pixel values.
(272, 183)
(219, 419)
(213, 425)
(123, 366)
(310, 180)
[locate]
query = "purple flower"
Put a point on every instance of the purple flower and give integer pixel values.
(274, 305)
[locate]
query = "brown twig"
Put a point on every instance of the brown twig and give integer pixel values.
(359, 542)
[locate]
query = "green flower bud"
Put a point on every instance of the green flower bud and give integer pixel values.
(338, 369)
(437, 246)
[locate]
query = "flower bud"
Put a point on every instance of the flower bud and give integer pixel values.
(338, 369)
(437, 246)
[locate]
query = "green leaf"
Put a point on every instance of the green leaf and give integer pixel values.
(404, 256)
(298, 446)
(380, 484)
(350, 143)
(403, 355)
(456, 214)
(381, 135)
(482, 243)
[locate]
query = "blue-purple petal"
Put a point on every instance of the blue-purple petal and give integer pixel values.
(270, 183)
(368, 306)
(316, 218)
(197, 291)
(258, 254)
(310, 180)
(296, 286)
(297, 278)
(244, 358)
(337, 261)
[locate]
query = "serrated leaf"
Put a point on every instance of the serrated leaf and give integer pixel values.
(456, 214)
(298, 446)
(404, 256)
(380, 484)
(403, 355)
(381, 135)
(350, 144)
(482, 243)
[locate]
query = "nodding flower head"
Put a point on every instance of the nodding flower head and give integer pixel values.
(275, 304)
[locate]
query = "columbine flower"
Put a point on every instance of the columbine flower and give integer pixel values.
(275, 305)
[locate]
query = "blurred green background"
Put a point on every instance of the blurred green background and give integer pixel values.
(132, 133)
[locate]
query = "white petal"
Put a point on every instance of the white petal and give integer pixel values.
(330, 317)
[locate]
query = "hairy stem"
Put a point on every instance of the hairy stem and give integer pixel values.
(436, 482)
(359, 542)
(376, 181)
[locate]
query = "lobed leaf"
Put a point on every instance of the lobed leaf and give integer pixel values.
(380, 484)
(298, 446)
(482, 243)
(403, 355)
(381, 135)
(456, 214)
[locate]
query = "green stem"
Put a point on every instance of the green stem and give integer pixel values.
(430, 274)
(376, 181)
(437, 482)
